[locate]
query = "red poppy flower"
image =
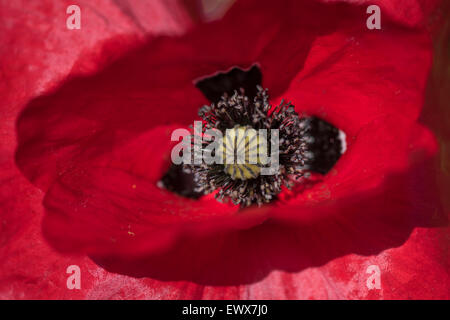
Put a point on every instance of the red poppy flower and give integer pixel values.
(88, 114)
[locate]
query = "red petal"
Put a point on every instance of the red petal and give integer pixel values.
(264, 247)
(113, 204)
(353, 76)
(411, 13)
(37, 52)
(126, 89)
(388, 165)
(148, 87)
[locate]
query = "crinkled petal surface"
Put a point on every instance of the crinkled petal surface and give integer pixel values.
(96, 145)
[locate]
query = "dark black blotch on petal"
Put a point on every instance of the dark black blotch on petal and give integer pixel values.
(215, 86)
(180, 182)
(326, 146)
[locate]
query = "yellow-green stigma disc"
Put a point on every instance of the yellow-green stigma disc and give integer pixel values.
(241, 149)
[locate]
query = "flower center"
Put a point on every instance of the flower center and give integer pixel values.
(242, 151)
(305, 144)
(240, 177)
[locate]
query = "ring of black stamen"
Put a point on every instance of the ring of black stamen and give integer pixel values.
(239, 110)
